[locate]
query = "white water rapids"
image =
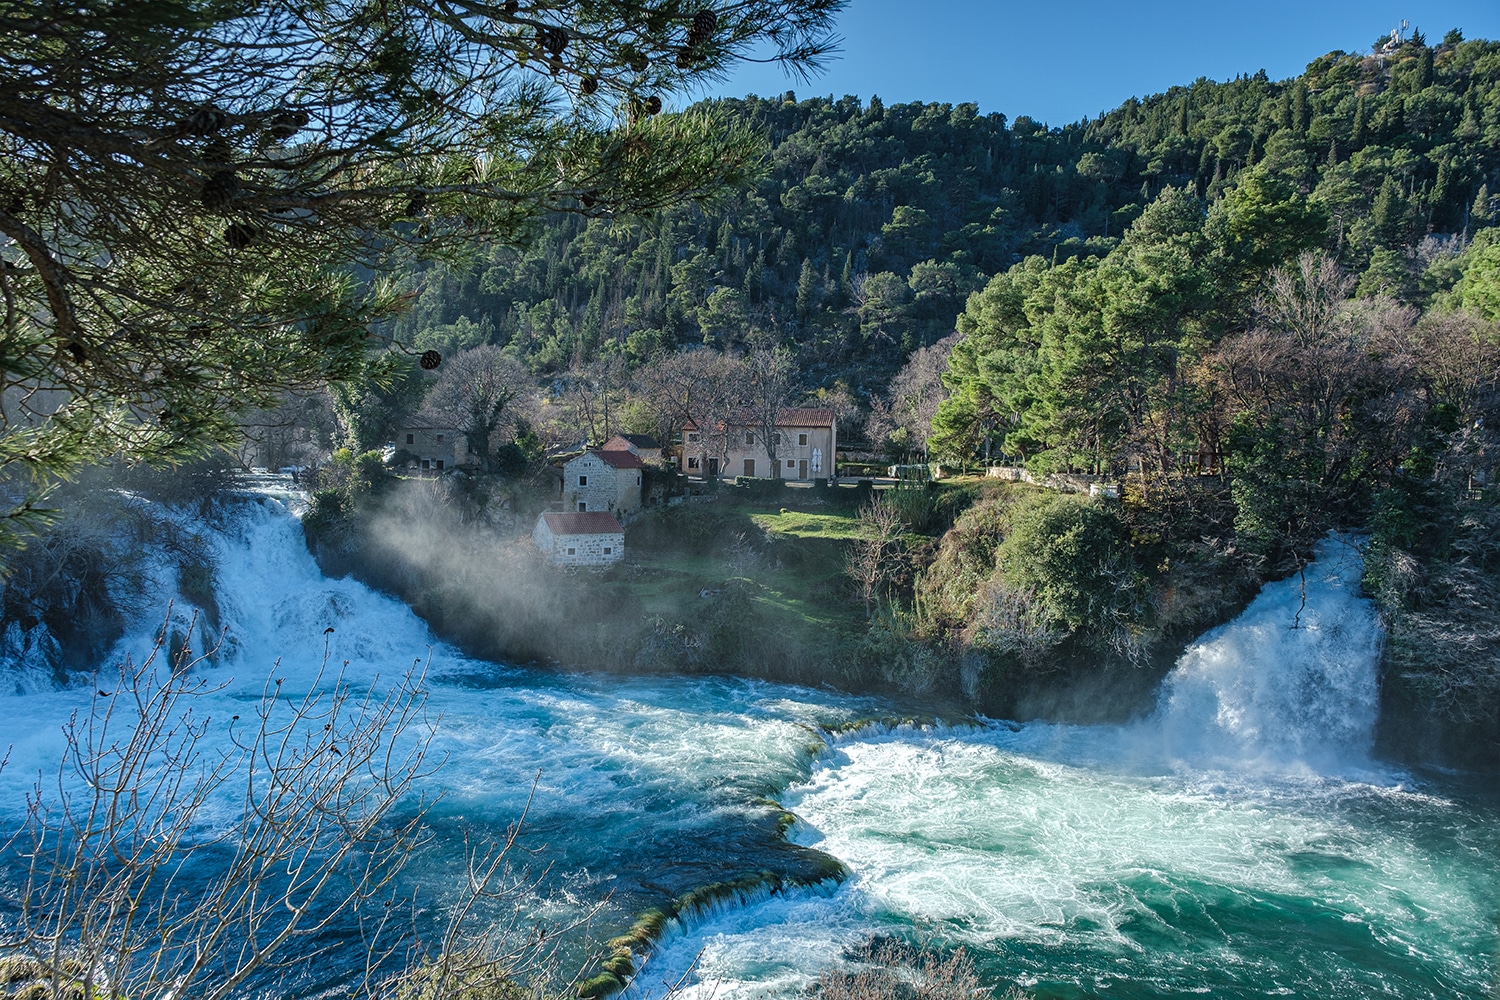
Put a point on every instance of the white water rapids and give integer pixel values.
(1240, 842)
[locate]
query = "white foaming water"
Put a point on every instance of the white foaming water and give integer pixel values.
(644, 787)
(1239, 842)
(1290, 682)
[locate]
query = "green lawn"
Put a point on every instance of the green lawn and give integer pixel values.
(801, 524)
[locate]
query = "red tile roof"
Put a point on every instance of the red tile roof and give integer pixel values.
(619, 459)
(587, 523)
(787, 416)
(804, 416)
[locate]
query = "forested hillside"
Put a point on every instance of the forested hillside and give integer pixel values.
(872, 223)
(1264, 309)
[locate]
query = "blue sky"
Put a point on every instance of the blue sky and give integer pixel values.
(1058, 61)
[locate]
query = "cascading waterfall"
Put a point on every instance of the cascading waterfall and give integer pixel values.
(1291, 681)
(1240, 842)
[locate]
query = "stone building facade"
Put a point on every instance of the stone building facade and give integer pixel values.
(432, 449)
(601, 480)
(573, 539)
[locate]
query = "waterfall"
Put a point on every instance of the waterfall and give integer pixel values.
(1290, 683)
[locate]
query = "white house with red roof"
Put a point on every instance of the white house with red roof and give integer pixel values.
(599, 480)
(569, 538)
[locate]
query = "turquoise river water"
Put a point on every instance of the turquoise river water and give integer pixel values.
(1239, 842)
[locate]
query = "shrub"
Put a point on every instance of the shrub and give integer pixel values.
(1071, 557)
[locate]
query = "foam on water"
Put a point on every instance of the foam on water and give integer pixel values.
(1240, 841)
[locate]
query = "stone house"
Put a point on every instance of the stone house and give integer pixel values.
(642, 446)
(805, 442)
(569, 538)
(601, 480)
(432, 448)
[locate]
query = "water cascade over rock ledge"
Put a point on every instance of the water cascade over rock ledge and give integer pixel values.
(1239, 841)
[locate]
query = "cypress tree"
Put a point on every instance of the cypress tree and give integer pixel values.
(1361, 121)
(1424, 70)
(807, 288)
(1300, 113)
(1440, 210)
(1480, 211)
(1388, 213)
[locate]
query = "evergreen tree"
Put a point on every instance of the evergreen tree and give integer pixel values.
(189, 190)
(807, 289)
(1482, 212)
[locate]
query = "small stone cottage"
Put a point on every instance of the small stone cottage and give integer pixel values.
(573, 539)
(431, 448)
(601, 480)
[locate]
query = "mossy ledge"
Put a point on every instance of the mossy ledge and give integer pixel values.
(616, 970)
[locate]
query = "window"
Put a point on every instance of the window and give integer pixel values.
(692, 437)
(789, 463)
(776, 438)
(583, 505)
(411, 439)
(583, 480)
(638, 479)
(749, 438)
(608, 550)
(802, 440)
(440, 439)
(440, 465)
(572, 551)
(692, 463)
(426, 464)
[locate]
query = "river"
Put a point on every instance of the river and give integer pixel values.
(1241, 841)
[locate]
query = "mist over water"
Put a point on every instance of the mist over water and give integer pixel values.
(1239, 842)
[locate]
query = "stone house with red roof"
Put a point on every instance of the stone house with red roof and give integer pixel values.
(805, 442)
(570, 538)
(600, 480)
(642, 446)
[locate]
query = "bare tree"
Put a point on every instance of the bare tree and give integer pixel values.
(917, 390)
(132, 891)
(595, 392)
(771, 379)
(476, 392)
(867, 562)
(702, 387)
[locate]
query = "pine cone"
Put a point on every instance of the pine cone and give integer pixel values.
(240, 235)
(553, 40)
(204, 121)
(287, 123)
(219, 190)
(588, 85)
(704, 23)
(430, 360)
